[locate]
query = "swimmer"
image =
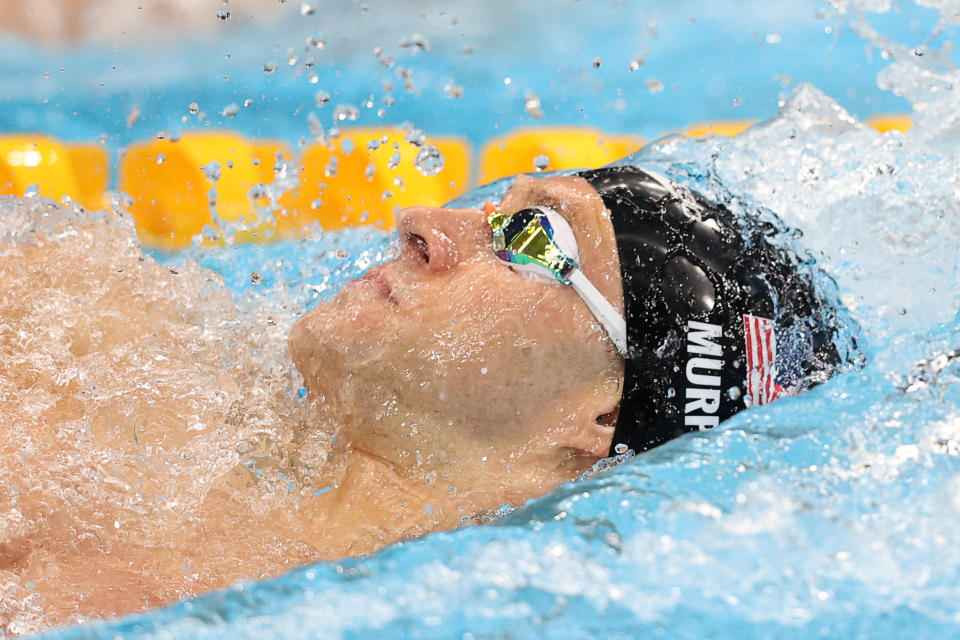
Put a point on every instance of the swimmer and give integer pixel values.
(506, 351)
(503, 352)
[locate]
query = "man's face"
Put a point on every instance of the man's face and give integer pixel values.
(454, 368)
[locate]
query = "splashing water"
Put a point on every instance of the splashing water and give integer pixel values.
(429, 160)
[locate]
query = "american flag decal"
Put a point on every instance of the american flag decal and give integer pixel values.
(761, 350)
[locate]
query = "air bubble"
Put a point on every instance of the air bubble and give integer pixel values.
(734, 393)
(321, 97)
(194, 108)
(270, 67)
(654, 85)
(394, 160)
(230, 110)
(621, 448)
(429, 161)
(541, 162)
(223, 14)
(635, 64)
(256, 277)
(308, 7)
(671, 392)
(597, 62)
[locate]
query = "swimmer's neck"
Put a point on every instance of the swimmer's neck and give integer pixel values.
(375, 504)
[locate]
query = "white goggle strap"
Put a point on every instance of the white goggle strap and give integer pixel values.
(612, 321)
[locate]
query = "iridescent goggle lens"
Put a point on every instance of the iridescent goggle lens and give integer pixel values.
(529, 238)
(540, 242)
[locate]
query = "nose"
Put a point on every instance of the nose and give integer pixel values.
(439, 239)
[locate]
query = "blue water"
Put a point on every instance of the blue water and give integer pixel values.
(832, 514)
(731, 60)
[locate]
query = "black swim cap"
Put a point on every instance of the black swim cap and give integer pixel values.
(718, 319)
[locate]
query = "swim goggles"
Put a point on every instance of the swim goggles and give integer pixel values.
(540, 244)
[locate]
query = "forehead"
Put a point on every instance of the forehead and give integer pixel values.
(568, 195)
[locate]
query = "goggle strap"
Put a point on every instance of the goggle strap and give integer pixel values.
(609, 317)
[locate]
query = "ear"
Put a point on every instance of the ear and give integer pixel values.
(593, 436)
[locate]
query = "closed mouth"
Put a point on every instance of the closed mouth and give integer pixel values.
(376, 279)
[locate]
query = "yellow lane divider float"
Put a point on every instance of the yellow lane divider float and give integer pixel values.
(78, 171)
(176, 186)
(552, 149)
(206, 181)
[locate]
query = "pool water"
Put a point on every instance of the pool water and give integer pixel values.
(831, 514)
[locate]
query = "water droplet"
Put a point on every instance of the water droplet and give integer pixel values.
(32, 191)
(212, 170)
(230, 110)
(346, 112)
(636, 63)
(316, 204)
(429, 161)
(373, 145)
(483, 371)
(258, 191)
(532, 105)
(347, 146)
(737, 102)
(621, 448)
(671, 392)
(540, 163)
(773, 38)
(256, 277)
(394, 160)
(416, 42)
(453, 90)
(308, 7)
(270, 67)
(654, 85)
(321, 97)
(316, 42)
(160, 158)
(370, 171)
(416, 137)
(133, 116)
(223, 14)
(734, 393)
(248, 102)
(919, 51)
(597, 62)
(194, 108)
